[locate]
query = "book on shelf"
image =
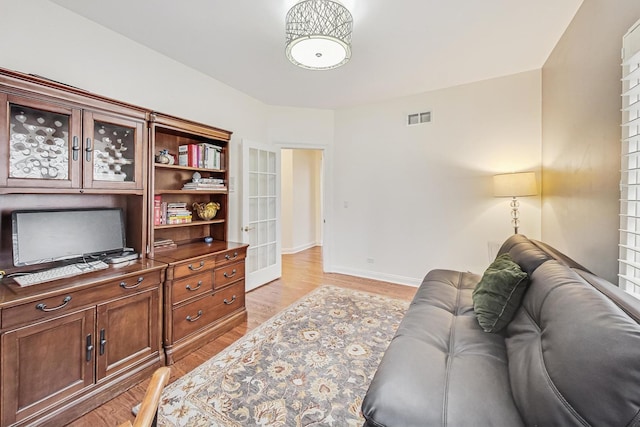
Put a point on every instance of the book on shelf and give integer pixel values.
(211, 156)
(205, 184)
(177, 213)
(183, 155)
(179, 219)
(203, 155)
(157, 209)
(160, 244)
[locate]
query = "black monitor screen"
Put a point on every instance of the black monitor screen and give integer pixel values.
(52, 235)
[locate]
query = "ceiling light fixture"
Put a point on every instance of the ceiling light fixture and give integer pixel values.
(319, 34)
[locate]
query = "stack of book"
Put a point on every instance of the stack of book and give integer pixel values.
(203, 155)
(206, 184)
(159, 244)
(177, 213)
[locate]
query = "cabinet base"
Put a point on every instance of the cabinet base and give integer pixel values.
(73, 408)
(186, 346)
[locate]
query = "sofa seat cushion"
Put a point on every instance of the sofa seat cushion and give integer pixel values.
(441, 368)
(574, 355)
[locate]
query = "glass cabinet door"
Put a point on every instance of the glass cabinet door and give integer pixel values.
(43, 144)
(112, 152)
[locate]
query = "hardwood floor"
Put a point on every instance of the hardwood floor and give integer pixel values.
(301, 274)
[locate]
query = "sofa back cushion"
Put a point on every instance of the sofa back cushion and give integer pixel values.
(574, 355)
(524, 252)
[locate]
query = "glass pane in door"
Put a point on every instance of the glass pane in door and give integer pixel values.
(114, 152)
(262, 210)
(38, 144)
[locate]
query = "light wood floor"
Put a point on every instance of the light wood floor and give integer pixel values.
(301, 274)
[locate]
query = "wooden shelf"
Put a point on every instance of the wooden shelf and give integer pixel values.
(187, 168)
(157, 191)
(189, 224)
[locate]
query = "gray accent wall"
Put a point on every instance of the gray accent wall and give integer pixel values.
(581, 135)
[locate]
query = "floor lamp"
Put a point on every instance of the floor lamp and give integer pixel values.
(515, 185)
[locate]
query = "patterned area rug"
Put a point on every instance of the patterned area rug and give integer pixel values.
(310, 365)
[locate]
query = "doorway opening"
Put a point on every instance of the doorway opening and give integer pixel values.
(302, 201)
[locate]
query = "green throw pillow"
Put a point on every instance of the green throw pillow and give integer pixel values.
(499, 293)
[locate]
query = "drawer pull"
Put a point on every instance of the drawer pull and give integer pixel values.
(228, 276)
(123, 285)
(235, 255)
(189, 288)
(192, 268)
(43, 307)
(233, 299)
(193, 319)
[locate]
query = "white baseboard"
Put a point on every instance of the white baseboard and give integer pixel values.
(290, 251)
(401, 280)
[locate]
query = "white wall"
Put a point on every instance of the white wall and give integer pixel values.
(42, 38)
(301, 199)
(409, 199)
(419, 198)
(581, 135)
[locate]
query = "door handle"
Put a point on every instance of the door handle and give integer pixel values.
(75, 148)
(88, 150)
(103, 341)
(89, 347)
(247, 228)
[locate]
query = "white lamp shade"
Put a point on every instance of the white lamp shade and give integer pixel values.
(515, 184)
(318, 52)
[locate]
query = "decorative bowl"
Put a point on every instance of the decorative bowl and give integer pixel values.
(206, 211)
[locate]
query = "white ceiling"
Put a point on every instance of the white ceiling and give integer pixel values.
(400, 47)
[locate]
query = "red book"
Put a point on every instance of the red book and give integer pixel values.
(194, 150)
(157, 209)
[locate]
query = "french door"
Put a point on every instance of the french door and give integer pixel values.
(261, 212)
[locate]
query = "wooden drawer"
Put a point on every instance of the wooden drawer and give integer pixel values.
(228, 274)
(193, 266)
(191, 286)
(230, 256)
(202, 312)
(68, 302)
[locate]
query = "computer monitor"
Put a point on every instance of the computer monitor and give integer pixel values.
(41, 236)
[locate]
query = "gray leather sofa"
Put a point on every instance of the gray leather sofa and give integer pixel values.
(569, 357)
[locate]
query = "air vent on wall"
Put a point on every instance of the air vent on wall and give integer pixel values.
(418, 118)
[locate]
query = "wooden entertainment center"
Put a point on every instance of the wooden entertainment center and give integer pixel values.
(69, 345)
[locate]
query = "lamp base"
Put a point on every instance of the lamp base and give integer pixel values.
(515, 214)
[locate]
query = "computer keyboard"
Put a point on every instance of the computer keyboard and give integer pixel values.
(59, 272)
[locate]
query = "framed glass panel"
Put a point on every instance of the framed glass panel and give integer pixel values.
(38, 144)
(113, 153)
